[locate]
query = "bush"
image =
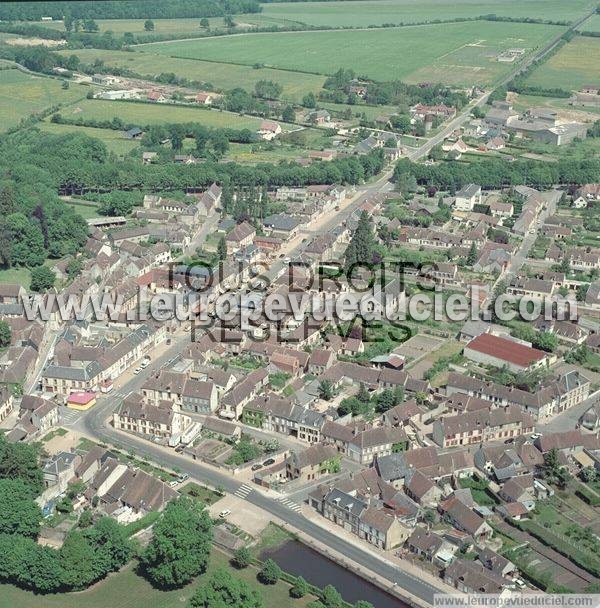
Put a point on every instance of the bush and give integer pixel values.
(270, 573)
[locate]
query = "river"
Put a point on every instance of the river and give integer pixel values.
(298, 559)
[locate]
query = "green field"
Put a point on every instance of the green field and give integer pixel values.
(115, 140)
(455, 53)
(170, 26)
(591, 25)
(378, 12)
(21, 276)
(220, 75)
(577, 63)
(152, 113)
(22, 94)
(126, 589)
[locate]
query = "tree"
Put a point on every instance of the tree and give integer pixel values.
(5, 334)
(406, 183)
(128, 38)
(89, 25)
(77, 559)
(299, 588)
(362, 245)
(20, 461)
(19, 513)
(204, 23)
(288, 114)
(180, 548)
(228, 21)
(472, 256)
(331, 597)
(589, 474)
(309, 100)
(325, 390)
(149, 25)
(242, 558)
(42, 279)
(177, 134)
(112, 548)
(582, 291)
(267, 89)
(269, 573)
(68, 23)
(224, 590)
(222, 249)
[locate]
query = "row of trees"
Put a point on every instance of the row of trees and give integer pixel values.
(125, 9)
(496, 173)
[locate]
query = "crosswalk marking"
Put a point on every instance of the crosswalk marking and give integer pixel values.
(243, 490)
(290, 504)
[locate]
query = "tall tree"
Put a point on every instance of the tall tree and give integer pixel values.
(149, 25)
(222, 249)
(19, 513)
(362, 245)
(226, 591)
(5, 334)
(20, 461)
(270, 573)
(42, 279)
(180, 548)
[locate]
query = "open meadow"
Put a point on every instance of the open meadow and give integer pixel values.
(455, 52)
(378, 12)
(222, 76)
(576, 63)
(141, 113)
(23, 94)
(591, 25)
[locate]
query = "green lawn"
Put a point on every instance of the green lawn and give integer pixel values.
(574, 65)
(126, 589)
(22, 94)
(21, 276)
(591, 25)
(371, 112)
(115, 141)
(454, 53)
(152, 113)
(379, 12)
(222, 76)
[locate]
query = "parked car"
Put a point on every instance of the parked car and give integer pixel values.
(268, 462)
(256, 466)
(224, 513)
(137, 370)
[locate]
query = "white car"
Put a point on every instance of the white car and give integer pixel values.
(144, 364)
(535, 436)
(137, 370)
(224, 513)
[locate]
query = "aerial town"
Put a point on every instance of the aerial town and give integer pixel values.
(284, 322)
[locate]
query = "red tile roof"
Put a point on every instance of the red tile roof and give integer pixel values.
(507, 350)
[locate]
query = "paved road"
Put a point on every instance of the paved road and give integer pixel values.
(567, 421)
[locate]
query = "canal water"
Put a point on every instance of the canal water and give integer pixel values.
(298, 559)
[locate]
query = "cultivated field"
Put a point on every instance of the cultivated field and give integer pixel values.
(153, 113)
(591, 25)
(573, 66)
(22, 94)
(378, 12)
(222, 76)
(454, 53)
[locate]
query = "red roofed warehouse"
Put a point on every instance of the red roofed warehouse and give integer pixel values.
(493, 350)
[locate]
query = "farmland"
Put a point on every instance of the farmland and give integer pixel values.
(378, 12)
(115, 141)
(220, 75)
(455, 53)
(574, 65)
(591, 25)
(33, 94)
(149, 113)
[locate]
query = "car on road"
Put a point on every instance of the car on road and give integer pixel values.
(256, 466)
(268, 462)
(137, 370)
(224, 513)
(179, 449)
(535, 436)
(173, 483)
(509, 441)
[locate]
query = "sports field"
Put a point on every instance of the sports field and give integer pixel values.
(22, 94)
(577, 63)
(223, 76)
(378, 12)
(154, 113)
(453, 53)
